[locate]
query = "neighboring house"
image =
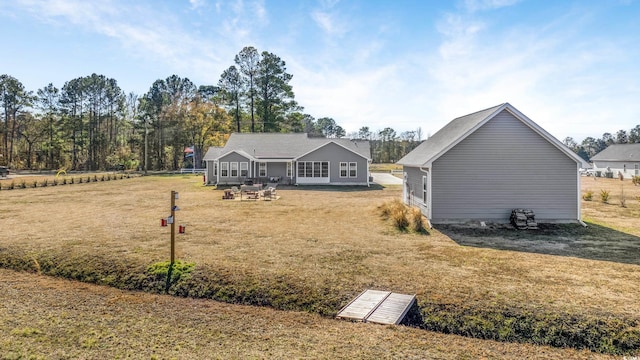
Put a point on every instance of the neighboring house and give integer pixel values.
(483, 165)
(619, 159)
(293, 158)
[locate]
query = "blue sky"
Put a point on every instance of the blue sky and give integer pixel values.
(571, 66)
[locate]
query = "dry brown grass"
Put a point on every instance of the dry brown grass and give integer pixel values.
(44, 317)
(327, 238)
(385, 167)
(613, 214)
(403, 217)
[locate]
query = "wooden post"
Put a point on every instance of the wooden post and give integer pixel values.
(173, 226)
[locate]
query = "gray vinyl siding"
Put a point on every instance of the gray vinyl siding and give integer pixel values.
(502, 166)
(414, 181)
(233, 157)
(277, 169)
(336, 154)
(413, 188)
(211, 179)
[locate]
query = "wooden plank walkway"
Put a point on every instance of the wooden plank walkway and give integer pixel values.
(380, 307)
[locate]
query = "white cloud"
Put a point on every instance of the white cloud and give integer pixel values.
(328, 23)
(197, 3)
(459, 34)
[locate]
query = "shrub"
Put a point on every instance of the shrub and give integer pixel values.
(170, 274)
(23, 184)
(12, 185)
(635, 180)
(44, 183)
(588, 195)
(623, 200)
(402, 217)
(604, 196)
(399, 218)
(64, 181)
(54, 182)
(509, 322)
(416, 222)
(35, 184)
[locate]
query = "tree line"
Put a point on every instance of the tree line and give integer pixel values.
(591, 146)
(90, 123)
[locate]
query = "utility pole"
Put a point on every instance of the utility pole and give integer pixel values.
(173, 225)
(146, 133)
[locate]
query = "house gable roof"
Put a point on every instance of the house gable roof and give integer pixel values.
(359, 147)
(239, 152)
(285, 146)
(460, 128)
(619, 152)
(213, 153)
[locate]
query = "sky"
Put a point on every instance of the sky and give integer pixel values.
(573, 67)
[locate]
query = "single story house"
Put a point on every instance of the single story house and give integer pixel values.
(483, 165)
(292, 158)
(619, 159)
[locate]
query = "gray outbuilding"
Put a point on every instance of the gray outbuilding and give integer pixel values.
(483, 165)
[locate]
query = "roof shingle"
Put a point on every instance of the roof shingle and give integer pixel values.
(619, 152)
(282, 145)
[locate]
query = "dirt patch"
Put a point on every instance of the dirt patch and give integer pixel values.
(594, 242)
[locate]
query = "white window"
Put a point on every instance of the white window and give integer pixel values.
(308, 171)
(343, 169)
(234, 169)
(289, 169)
(317, 169)
(424, 189)
(244, 169)
(353, 169)
(262, 169)
(348, 169)
(224, 169)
